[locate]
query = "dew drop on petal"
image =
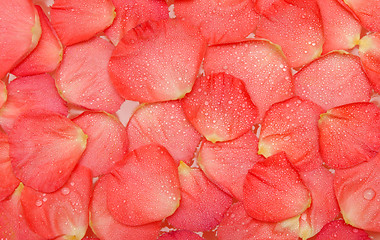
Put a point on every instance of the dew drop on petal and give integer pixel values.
(369, 194)
(38, 203)
(65, 191)
(287, 138)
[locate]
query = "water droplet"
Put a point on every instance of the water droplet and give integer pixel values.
(287, 138)
(65, 191)
(38, 203)
(369, 194)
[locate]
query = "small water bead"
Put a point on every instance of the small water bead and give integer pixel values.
(332, 171)
(38, 203)
(369, 194)
(287, 138)
(65, 191)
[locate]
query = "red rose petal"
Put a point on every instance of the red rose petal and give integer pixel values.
(369, 54)
(9, 182)
(107, 141)
(30, 94)
(219, 22)
(77, 21)
(82, 78)
(324, 206)
(63, 213)
(238, 225)
(260, 64)
(157, 61)
(44, 149)
(367, 11)
(340, 28)
(20, 32)
(146, 188)
(296, 29)
(165, 124)
(339, 230)
(219, 107)
(273, 190)
(357, 190)
(131, 13)
(107, 228)
(202, 203)
(13, 225)
(263, 5)
(291, 126)
(227, 163)
(46, 56)
(333, 80)
(350, 134)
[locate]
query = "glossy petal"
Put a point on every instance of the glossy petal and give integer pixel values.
(333, 80)
(44, 149)
(165, 124)
(144, 188)
(83, 80)
(219, 107)
(157, 61)
(106, 227)
(202, 205)
(89, 18)
(350, 134)
(260, 64)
